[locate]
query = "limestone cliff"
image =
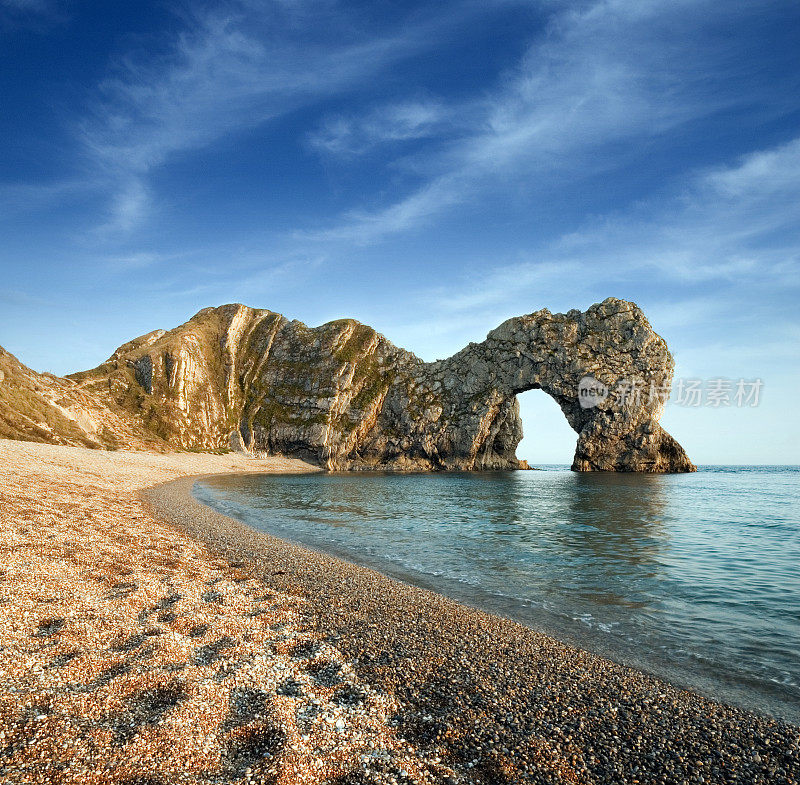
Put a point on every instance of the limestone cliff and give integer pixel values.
(343, 396)
(41, 407)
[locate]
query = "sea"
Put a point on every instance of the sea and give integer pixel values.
(694, 578)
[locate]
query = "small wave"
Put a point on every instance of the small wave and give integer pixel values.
(669, 568)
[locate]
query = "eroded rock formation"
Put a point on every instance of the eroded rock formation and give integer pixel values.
(41, 407)
(345, 397)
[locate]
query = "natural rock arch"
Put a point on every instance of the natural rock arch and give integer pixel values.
(613, 343)
(345, 397)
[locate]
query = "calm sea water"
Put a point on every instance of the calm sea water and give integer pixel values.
(695, 578)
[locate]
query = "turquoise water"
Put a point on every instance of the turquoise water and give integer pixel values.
(695, 578)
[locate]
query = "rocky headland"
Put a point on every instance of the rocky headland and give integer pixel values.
(344, 397)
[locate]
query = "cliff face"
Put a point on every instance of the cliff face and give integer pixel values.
(345, 397)
(40, 407)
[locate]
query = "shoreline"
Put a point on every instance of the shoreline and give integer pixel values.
(148, 638)
(131, 654)
(507, 605)
(497, 686)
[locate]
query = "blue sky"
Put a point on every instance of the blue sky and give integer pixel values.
(427, 168)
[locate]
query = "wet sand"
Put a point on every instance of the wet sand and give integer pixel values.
(148, 639)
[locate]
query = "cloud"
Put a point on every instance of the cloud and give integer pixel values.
(27, 6)
(612, 73)
(729, 224)
(137, 260)
(764, 174)
(30, 197)
(36, 15)
(128, 207)
(387, 124)
(14, 298)
(233, 68)
(219, 78)
(361, 227)
(719, 257)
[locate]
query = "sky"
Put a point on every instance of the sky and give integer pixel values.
(428, 168)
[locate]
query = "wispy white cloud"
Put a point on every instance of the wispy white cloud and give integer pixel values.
(249, 274)
(137, 260)
(37, 15)
(30, 197)
(12, 297)
(764, 175)
(725, 249)
(729, 224)
(233, 68)
(361, 227)
(27, 6)
(387, 124)
(129, 204)
(219, 78)
(613, 72)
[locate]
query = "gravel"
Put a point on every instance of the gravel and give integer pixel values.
(144, 638)
(494, 700)
(132, 654)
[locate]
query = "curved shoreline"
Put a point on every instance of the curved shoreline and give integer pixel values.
(500, 697)
(716, 686)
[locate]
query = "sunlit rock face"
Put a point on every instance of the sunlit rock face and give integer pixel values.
(41, 407)
(343, 396)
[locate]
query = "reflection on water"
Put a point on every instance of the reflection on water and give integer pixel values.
(692, 577)
(618, 532)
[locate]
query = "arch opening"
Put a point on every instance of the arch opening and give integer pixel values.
(547, 436)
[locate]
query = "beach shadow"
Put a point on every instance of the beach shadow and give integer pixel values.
(490, 772)
(383, 772)
(290, 688)
(326, 674)
(245, 705)
(307, 715)
(49, 627)
(60, 660)
(306, 650)
(355, 777)
(349, 695)
(248, 748)
(205, 655)
(145, 653)
(146, 707)
(167, 601)
(130, 643)
(106, 676)
(122, 589)
(18, 730)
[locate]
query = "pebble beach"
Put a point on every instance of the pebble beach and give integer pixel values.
(148, 640)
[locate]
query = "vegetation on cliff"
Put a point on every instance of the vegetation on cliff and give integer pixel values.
(343, 396)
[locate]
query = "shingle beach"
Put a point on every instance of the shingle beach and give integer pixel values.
(148, 640)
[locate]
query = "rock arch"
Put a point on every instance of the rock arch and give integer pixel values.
(345, 397)
(611, 343)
